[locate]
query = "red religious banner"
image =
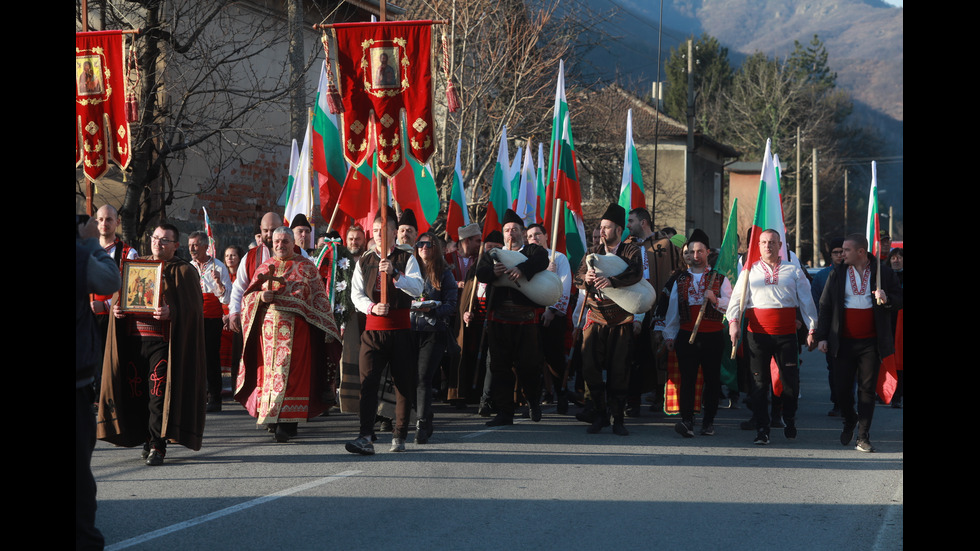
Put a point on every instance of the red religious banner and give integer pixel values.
(101, 128)
(385, 68)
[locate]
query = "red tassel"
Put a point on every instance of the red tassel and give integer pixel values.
(452, 98)
(334, 103)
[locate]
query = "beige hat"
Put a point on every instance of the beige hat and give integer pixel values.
(470, 230)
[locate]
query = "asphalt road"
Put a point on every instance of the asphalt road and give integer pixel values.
(546, 485)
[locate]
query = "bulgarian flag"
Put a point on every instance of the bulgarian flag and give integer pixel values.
(207, 229)
(358, 194)
(631, 189)
(293, 167)
(888, 374)
(300, 198)
(873, 231)
(328, 150)
(563, 182)
(457, 214)
(541, 177)
(768, 210)
(527, 195)
(514, 173)
(414, 187)
(499, 196)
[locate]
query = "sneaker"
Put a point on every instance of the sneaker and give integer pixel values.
(777, 422)
(386, 425)
(535, 412)
(865, 446)
(847, 433)
(685, 429)
(708, 429)
(790, 430)
(761, 438)
(562, 407)
(484, 410)
(597, 424)
(397, 445)
(362, 446)
(146, 451)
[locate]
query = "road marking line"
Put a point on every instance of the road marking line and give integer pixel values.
(227, 511)
(891, 532)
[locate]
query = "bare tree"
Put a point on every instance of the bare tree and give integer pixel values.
(211, 90)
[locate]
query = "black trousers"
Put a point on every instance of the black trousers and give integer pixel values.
(706, 353)
(212, 356)
(396, 349)
(761, 349)
(857, 358)
(514, 347)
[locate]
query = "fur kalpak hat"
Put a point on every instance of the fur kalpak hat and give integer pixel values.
(300, 221)
(408, 219)
(699, 236)
(511, 216)
(615, 214)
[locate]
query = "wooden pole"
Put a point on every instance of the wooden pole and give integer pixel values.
(704, 306)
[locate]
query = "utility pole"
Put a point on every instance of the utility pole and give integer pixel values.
(816, 211)
(689, 166)
(798, 206)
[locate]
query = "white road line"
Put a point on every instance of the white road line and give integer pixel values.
(891, 533)
(491, 429)
(227, 511)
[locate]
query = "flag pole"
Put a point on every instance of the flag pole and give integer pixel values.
(554, 229)
(704, 306)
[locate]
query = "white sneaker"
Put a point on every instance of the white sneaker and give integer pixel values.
(397, 445)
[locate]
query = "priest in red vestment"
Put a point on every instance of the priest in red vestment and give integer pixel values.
(286, 319)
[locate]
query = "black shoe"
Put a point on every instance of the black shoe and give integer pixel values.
(562, 407)
(847, 433)
(747, 425)
(281, 435)
(423, 430)
(790, 430)
(834, 412)
(633, 408)
(761, 437)
(213, 407)
(361, 446)
(685, 429)
(535, 412)
(777, 422)
(500, 420)
(146, 451)
(155, 457)
(897, 403)
(865, 446)
(587, 415)
(707, 429)
(386, 425)
(485, 410)
(619, 428)
(597, 424)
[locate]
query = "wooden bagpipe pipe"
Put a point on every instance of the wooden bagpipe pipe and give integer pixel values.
(636, 298)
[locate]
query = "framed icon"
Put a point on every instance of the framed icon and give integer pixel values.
(140, 285)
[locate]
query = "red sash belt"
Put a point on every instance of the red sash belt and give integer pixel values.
(396, 319)
(859, 323)
(212, 306)
(771, 321)
(707, 326)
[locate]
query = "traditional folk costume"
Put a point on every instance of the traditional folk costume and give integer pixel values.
(153, 375)
(607, 339)
(686, 301)
(513, 333)
(386, 340)
(773, 295)
(278, 381)
(859, 335)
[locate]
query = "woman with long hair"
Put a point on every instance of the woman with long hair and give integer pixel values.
(231, 342)
(431, 320)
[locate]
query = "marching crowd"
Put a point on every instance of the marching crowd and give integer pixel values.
(500, 323)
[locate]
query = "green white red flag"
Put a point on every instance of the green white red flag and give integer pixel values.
(514, 176)
(631, 189)
(457, 214)
(414, 188)
(207, 229)
(499, 195)
(541, 179)
(888, 373)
